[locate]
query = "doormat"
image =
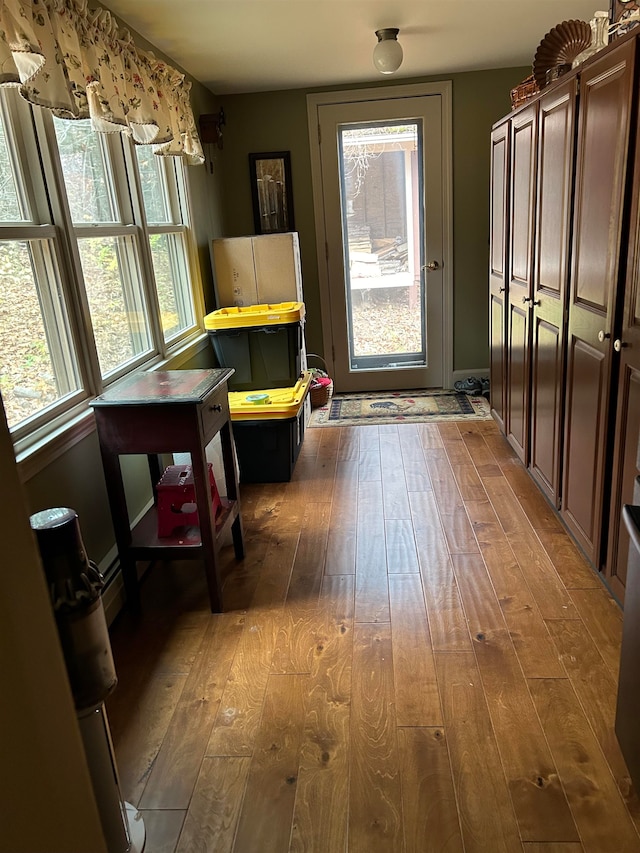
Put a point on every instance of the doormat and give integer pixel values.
(411, 407)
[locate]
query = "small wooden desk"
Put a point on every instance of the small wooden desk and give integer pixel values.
(165, 412)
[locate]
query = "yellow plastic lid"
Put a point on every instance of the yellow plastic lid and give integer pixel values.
(279, 403)
(255, 315)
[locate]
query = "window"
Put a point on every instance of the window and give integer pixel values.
(95, 260)
(167, 233)
(108, 249)
(39, 369)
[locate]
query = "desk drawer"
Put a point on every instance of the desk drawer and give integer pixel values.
(214, 412)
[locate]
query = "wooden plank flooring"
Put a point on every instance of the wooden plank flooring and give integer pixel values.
(414, 658)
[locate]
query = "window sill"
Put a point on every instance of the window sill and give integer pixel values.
(41, 453)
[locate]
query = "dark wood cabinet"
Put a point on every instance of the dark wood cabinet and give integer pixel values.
(537, 199)
(498, 267)
(601, 174)
(625, 488)
(571, 346)
(520, 277)
(556, 137)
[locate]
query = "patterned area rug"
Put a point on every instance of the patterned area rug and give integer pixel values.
(418, 406)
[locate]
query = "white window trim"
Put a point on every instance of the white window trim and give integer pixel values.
(54, 432)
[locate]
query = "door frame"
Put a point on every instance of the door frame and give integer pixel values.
(383, 93)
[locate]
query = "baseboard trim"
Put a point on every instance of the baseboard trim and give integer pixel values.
(113, 597)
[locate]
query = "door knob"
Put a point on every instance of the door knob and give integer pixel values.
(618, 345)
(603, 336)
(432, 265)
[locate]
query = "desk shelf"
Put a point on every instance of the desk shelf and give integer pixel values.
(184, 543)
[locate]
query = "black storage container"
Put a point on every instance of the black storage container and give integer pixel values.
(268, 450)
(263, 343)
(269, 430)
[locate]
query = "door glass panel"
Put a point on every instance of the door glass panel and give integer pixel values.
(381, 187)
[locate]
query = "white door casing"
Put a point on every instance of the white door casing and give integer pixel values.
(432, 104)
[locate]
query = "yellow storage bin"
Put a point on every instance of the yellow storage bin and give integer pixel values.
(268, 428)
(270, 403)
(263, 344)
(255, 315)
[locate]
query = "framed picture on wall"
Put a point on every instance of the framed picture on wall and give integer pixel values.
(271, 192)
(619, 12)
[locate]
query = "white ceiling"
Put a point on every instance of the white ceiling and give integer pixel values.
(234, 46)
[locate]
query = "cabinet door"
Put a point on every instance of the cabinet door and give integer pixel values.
(601, 169)
(520, 279)
(556, 132)
(498, 268)
(626, 455)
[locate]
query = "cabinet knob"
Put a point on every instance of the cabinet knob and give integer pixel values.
(526, 299)
(502, 289)
(215, 408)
(618, 345)
(603, 336)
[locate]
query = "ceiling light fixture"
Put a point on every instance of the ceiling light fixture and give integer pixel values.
(387, 54)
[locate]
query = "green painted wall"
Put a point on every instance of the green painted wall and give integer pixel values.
(277, 121)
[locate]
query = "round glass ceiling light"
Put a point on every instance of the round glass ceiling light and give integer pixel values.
(387, 54)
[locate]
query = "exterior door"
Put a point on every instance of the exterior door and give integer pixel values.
(520, 277)
(556, 132)
(498, 268)
(382, 188)
(601, 167)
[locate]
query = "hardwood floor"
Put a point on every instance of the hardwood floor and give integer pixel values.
(413, 657)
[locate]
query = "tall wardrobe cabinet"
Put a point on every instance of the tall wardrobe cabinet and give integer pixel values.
(569, 387)
(527, 356)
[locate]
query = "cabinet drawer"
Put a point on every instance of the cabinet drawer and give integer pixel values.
(214, 412)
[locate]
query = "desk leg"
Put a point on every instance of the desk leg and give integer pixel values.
(207, 528)
(155, 472)
(229, 461)
(121, 526)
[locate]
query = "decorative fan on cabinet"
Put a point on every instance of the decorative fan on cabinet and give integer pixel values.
(558, 49)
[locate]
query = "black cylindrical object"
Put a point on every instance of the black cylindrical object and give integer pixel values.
(75, 585)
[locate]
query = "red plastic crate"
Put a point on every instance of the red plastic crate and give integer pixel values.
(176, 499)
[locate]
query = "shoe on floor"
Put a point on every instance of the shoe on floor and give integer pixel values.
(471, 385)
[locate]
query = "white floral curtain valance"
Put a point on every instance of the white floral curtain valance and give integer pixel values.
(78, 63)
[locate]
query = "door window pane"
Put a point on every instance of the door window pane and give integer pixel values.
(382, 211)
(118, 311)
(37, 366)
